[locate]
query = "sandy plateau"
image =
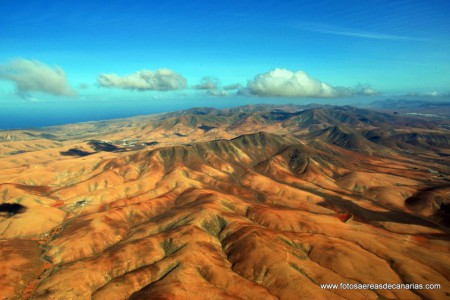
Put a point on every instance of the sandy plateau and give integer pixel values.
(257, 202)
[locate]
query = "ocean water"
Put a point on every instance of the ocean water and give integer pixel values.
(26, 114)
(39, 114)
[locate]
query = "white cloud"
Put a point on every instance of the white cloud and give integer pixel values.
(368, 92)
(34, 76)
(159, 80)
(285, 83)
(208, 83)
(364, 90)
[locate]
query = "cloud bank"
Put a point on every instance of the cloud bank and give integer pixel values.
(208, 83)
(285, 83)
(34, 76)
(213, 87)
(159, 80)
(363, 90)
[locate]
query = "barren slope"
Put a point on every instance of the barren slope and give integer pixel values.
(258, 216)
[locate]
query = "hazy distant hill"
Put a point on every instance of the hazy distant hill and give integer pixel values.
(403, 103)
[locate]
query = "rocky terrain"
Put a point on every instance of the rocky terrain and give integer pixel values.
(255, 202)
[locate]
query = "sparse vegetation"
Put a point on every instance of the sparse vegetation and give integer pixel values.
(175, 224)
(260, 198)
(301, 271)
(260, 274)
(80, 203)
(205, 272)
(359, 188)
(170, 247)
(304, 249)
(229, 205)
(215, 225)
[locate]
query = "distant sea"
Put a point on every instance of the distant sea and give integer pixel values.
(33, 115)
(27, 115)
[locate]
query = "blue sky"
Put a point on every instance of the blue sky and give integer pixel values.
(93, 59)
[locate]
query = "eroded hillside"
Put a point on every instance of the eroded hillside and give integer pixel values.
(246, 203)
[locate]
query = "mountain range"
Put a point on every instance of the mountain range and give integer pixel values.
(252, 202)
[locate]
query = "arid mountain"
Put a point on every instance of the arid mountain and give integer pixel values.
(345, 137)
(254, 202)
